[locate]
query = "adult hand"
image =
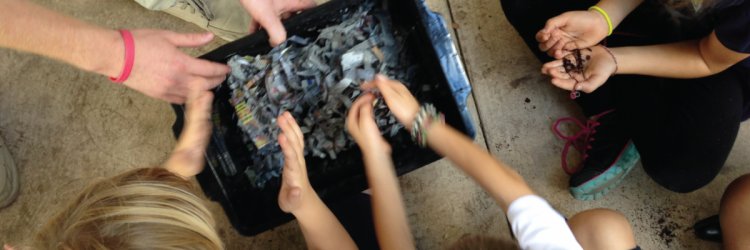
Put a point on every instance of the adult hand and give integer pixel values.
(360, 123)
(597, 66)
(187, 158)
(400, 101)
(295, 186)
(572, 30)
(268, 14)
(162, 71)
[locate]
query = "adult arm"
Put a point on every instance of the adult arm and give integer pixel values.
(160, 69)
(391, 225)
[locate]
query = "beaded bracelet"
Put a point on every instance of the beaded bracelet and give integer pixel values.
(425, 118)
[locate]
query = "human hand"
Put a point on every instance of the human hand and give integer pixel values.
(268, 14)
(572, 30)
(584, 70)
(360, 123)
(400, 101)
(295, 185)
(162, 71)
(187, 158)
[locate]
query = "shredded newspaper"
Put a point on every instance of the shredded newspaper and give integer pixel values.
(316, 81)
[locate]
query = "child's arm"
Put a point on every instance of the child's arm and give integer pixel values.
(391, 224)
(535, 223)
(321, 228)
(502, 182)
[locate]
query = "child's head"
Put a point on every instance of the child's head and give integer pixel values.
(147, 208)
(480, 242)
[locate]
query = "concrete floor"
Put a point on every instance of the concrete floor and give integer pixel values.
(66, 128)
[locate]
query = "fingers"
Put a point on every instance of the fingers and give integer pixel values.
(206, 68)
(592, 83)
(298, 5)
(197, 129)
(386, 87)
(365, 113)
(291, 160)
(189, 39)
(542, 36)
(566, 84)
(295, 129)
(272, 23)
(198, 113)
(353, 122)
(553, 41)
(554, 23)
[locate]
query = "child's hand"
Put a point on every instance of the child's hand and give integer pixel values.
(572, 30)
(597, 64)
(295, 187)
(360, 122)
(187, 158)
(400, 101)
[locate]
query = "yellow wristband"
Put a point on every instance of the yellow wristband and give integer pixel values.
(606, 17)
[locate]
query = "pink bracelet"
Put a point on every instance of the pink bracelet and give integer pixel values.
(127, 37)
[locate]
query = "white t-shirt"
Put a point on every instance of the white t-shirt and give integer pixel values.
(538, 226)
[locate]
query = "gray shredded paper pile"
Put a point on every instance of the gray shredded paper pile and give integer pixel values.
(317, 81)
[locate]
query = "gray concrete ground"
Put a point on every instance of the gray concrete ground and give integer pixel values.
(66, 128)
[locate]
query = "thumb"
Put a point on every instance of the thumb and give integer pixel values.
(592, 83)
(272, 23)
(190, 39)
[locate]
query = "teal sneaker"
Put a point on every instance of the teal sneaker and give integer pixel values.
(608, 155)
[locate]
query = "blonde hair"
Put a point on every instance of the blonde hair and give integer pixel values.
(147, 208)
(480, 242)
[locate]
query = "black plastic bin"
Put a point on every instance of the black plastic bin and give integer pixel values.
(440, 80)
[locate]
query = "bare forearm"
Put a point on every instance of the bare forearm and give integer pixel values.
(618, 9)
(676, 60)
(388, 209)
(503, 183)
(321, 228)
(27, 27)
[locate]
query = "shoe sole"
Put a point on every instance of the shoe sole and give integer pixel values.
(600, 185)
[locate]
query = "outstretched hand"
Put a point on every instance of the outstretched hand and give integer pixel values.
(572, 30)
(295, 185)
(584, 70)
(162, 71)
(187, 158)
(268, 14)
(400, 101)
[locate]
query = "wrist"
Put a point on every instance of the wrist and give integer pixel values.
(310, 202)
(105, 54)
(623, 66)
(605, 20)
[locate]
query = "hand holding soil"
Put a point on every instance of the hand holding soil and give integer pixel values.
(582, 69)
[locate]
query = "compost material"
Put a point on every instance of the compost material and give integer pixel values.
(316, 80)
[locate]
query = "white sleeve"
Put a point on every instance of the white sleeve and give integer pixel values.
(538, 226)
